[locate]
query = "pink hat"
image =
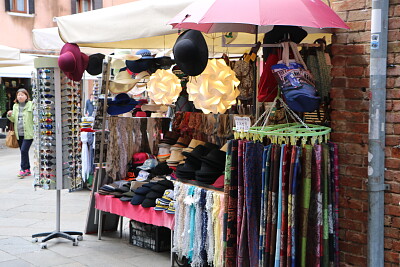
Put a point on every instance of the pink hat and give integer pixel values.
(72, 62)
(140, 157)
(219, 183)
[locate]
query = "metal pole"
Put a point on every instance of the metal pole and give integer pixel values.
(376, 144)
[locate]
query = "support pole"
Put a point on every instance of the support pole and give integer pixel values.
(376, 142)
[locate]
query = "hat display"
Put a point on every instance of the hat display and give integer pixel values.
(137, 199)
(148, 203)
(155, 194)
(215, 158)
(170, 138)
(148, 164)
(182, 142)
(122, 103)
(193, 143)
(163, 202)
(72, 62)
(146, 62)
(142, 176)
(167, 183)
(140, 157)
(95, 64)
(176, 155)
(197, 153)
(161, 169)
(171, 208)
(124, 81)
(191, 52)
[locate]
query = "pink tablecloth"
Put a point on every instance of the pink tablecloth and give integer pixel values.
(135, 212)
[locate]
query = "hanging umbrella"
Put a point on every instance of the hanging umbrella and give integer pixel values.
(9, 53)
(246, 16)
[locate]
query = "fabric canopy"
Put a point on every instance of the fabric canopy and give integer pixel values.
(7, 53)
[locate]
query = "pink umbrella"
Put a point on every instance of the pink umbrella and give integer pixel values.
(246, 15)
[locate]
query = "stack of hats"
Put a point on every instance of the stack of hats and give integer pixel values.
(163, 202)
(129, 195)
(212, 166)
(192, 145)
(162, 169)
(192, 163)
(156, 191)
(176, 152)
(164, 147)
(145, 169)
(141, 192)
(87, 124)
(116, 189)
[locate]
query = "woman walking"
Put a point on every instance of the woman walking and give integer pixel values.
(22, 117)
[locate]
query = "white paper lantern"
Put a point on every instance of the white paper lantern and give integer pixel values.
(164, 87)
(215, 90)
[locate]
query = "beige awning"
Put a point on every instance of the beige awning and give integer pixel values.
(9, 53)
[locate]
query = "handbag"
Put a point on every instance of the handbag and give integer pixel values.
(268, 86)
(11, 139)
(295, 81)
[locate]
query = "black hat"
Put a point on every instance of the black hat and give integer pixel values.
(159, 188)
(208, 168)
(207, 180)
(148, 203)
(137, 199)
(146, 62)
(95, 64)
(216, 158)
(191, 52)
(162, 169)
(277, 34)
(167, 183)
(197, 153)
(153, 194)
(142, 191)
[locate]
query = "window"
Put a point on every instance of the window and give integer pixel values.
(83, 5)
(20, 6)
(79, 6)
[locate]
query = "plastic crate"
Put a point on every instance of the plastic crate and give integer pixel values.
(149, 236)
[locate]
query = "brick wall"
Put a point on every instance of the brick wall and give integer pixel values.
(350, 104)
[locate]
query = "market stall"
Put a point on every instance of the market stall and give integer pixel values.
(211, 146)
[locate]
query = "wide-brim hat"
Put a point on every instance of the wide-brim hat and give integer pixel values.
(197, 153)
(176, 155)
(281, 32)
(146, 62)
(208, 179)
(162, 169)
(124, 82)
(191, 52)
(182, 142)
(122, 103)
(194, 143)
(215, 158)
(219, 183)
(95, 64)
(207, 168)
(170, 138)
(72, 62)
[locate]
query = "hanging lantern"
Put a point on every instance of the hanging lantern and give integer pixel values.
(214, 91)
(164, 87)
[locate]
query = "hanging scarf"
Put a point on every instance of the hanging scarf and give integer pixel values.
(210, 227)
(252, 180)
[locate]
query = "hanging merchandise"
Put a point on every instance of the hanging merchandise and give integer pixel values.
(199, 213)
(295, 81)
(268, 86)
(244, 72)
(214, 91)
(58, 101)
(164, 87)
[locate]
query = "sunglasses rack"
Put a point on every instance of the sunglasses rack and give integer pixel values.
(57, 119)
(57, 138)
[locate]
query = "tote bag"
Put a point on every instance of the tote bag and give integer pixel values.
(11, 139)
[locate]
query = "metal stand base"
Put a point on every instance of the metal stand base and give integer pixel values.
(51, 235)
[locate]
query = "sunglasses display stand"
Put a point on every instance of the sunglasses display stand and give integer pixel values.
(56, 144)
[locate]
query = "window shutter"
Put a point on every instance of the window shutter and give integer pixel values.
(31, 6)
(73, 6)
(7, 4)
(97, 4)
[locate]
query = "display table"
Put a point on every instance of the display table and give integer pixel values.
(113, 205)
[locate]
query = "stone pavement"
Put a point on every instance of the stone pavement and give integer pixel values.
(24, 211)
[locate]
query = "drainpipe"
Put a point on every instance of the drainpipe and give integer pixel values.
(376, 142)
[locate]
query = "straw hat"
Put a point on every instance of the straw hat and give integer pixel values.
(123, 81)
